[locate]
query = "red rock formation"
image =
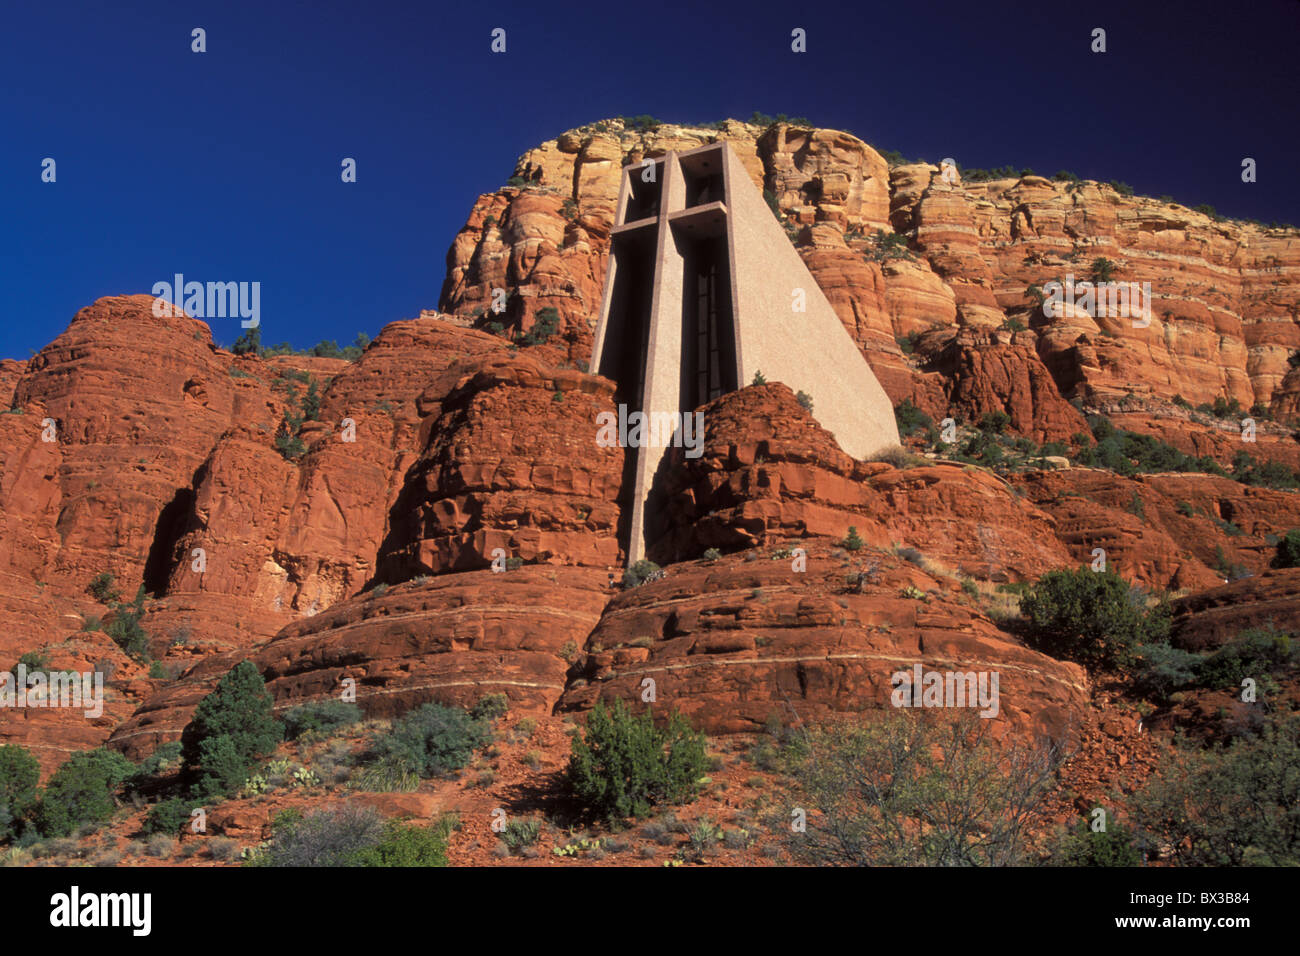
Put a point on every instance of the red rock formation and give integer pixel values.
(768, 472)
(165, 455)
(734, 642)
(1210, 619)
(510, 461)
(453, 638)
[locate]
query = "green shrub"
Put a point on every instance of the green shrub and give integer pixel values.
(623, 764)
(641, 572)
(81, 791)
(386, 775)
(1163, 669)
(101, 588)
(168, 816)
(432, 740)
(125, 630)
(546, 323)
(232, 727)
(1266, 474)
(320, 717)
(335, 837)
(1288, 550)
(910, 419)
(1126, 453)
(32, 660)
(248, 343)
(888, 245)
(804, 399)
(490, 707)
(642, 123)
(1081, 846)
(165, 759)
(19, 775)
(290, 446)
(852, 541)
(1255, 653)
(406, 845)
(1228, 807)
(994, 422)
(711, 554)
(521, 833)
(1093, 618)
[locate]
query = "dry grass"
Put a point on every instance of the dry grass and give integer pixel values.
(898, 456)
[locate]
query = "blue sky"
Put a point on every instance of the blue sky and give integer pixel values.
(225, 165)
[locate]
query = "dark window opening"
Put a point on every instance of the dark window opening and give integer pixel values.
(643, 197)
(627, 342)
(708, 334)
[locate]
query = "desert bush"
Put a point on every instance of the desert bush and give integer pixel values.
(852, 540)
(1257, 652)
(431, 740)
(915, 789)
(490, 707)
(19, 775)
(125, 630)
(161, 845)
(912, 556)
(1162, 669)
(521, 833)
(81, 791)
(101, 588)
(407, 845)
(623, 764)
(320, 718)
(1127, 453)
(165, 759)
(641, 572)
(1093, 618)
(1082, 846)
(167, 817)
(704, 836)
(385, 775)
(333, 837)
(1288, 550)
(351, 836)
(1231, 806)
(232, 727)
(895, 455)
(911, 419)
(546, 323)
(108, 857)
(223, 848)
